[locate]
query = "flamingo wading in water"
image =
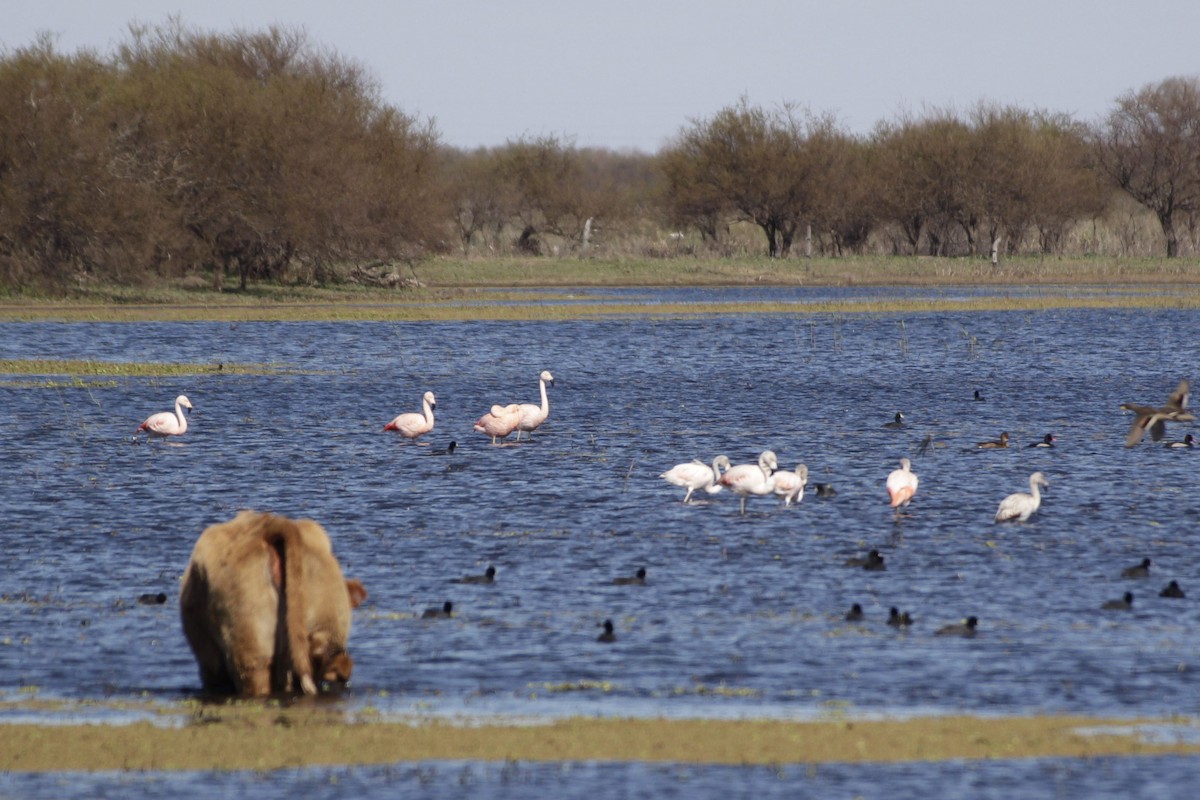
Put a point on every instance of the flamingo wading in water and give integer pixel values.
(412, 424)
(532, 416)
(1021, 506)
(697, 475)
(902, 484)
(500, 421)
(790, 485)
(166, 423)
(747, 479)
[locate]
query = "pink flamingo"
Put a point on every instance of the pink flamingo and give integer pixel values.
(166, 423)
(902, 484)
(533, 416)
(790, 485)
(500, 421)
(412, 424)
(757, 479)
(696, 475)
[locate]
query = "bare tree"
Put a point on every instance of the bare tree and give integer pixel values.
(1149, 145)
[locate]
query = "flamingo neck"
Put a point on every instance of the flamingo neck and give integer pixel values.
(1033, 490)
(428, 409)
(545, 397)
(180, 418)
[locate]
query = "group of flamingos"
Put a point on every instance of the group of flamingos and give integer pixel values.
(745, 480)
(498, 423)
(765, 478)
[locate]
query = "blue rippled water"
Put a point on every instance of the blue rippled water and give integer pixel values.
(742, 614)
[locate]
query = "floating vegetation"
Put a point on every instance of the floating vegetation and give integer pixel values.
(125, 369)
(487, 306)
(575, 686)
(720, 690)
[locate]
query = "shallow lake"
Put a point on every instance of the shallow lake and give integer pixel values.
(742, 615)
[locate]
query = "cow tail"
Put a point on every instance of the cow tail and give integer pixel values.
(284, 535)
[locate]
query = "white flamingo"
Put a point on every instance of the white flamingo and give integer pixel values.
(500, 421)
(747, 479)
(902, 484)
(166, 423)
(412, 424)
(533, 416)
(697, 475)
(790, 485)
(1020, 506)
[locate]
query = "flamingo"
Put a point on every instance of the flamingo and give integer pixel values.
(902, 484)
(747, 479)
(697, 475)
(1149, 418)
(790, 485)
(412, 424)
(166, 423)
(1020, 506)
(533, 416)
(500, 421)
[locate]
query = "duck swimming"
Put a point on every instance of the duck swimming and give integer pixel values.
(994, 443)
(1124, 604)
(964, 628)
(637, 579)
(1139, 570)
(1172, 589)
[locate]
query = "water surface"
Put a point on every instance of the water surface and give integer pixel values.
(742, 614)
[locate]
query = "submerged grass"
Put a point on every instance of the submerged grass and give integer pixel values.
(243, 736)
(1183, 297)
(123, 369)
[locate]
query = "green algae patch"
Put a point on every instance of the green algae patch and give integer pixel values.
(271, 736)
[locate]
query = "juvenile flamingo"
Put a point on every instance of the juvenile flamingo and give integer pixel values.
(790, 485)
(1020, 506)
(697, 475)
(533, 416)
(166, 423)
(500, 421)
(412, 424)
(902, 484)
(748, 479)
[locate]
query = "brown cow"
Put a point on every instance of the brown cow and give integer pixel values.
(265, 607)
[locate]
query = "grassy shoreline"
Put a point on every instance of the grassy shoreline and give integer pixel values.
(501, 289)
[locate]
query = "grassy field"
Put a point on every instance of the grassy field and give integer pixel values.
(498, 289)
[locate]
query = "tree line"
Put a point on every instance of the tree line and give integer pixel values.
(261, 156)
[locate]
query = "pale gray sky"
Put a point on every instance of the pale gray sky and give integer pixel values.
(632, 73)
